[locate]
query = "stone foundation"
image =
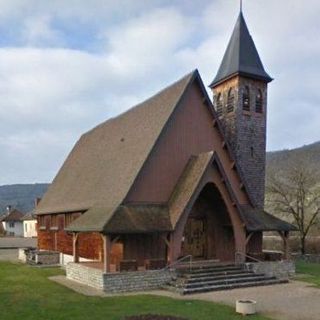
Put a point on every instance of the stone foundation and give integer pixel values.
(120, 281)
(89, 276)
(280, 269)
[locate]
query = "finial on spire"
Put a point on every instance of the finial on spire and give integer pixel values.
(240, 5)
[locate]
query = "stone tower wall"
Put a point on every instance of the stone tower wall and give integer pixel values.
(246, 132)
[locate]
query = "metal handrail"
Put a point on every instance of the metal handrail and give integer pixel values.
(178, 261)
(246, 256)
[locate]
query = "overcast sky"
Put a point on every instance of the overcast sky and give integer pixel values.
(66, 66)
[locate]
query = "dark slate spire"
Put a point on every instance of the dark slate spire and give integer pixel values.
(241, 56)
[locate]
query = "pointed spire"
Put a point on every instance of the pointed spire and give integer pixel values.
(241, 56)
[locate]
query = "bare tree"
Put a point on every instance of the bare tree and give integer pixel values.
(295, 193)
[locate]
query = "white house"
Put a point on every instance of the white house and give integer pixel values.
(11, 222)
(29, 225)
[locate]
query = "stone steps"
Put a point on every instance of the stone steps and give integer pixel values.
(217, 277)
(232, 286)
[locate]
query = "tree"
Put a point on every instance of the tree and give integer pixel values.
(295, 193)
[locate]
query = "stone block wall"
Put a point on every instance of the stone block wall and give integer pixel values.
(246, 133)
(120, 281)
(89, 276)
(280, 269)
(136, 281)
(47, 257)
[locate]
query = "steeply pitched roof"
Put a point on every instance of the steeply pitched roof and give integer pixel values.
(187, 184)
(241, 56)
(14, 215)
(104, 163)
(29, 216)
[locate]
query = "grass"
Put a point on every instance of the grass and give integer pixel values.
(26, 293)
(308, 272)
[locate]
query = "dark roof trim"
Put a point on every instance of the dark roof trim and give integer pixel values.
(241, 57)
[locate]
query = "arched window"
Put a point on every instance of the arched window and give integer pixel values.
(246, 99)
(219, 104)
(259, 108)
(230, 101)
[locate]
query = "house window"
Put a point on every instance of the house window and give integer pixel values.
(219, 104)
(259, 101)
(230, 101)
(54, 221)
(68, 219)
(246, 99)
(11, 224)
(42, 222)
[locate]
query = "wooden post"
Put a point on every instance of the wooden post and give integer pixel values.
(286, 248)
(75, 247)
(106, 252)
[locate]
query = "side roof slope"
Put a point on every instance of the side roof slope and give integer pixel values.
(106, 160)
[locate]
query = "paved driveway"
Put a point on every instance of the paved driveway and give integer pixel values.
(293, 301)
(17, 242)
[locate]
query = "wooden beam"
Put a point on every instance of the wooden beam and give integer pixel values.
(75, 246)
(166, 241)
(115, 240)
(249, 237)
(106, 252)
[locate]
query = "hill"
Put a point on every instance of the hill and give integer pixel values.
(310, 154)
(21, 196)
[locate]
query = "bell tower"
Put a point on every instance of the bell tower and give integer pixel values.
(240, 99)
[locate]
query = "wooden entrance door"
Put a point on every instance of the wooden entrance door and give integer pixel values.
(194, 238)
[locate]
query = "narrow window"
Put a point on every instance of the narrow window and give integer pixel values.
(54, 221)
(259, 101)
(42, 222)
(230, 101)
(246, 99)
(252, 152)
(11, 224)
(219, 104)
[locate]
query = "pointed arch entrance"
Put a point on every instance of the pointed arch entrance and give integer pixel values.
(208, 232)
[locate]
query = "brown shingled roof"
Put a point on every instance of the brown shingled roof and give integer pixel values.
(260, 220)
(187, 184)
(14, 215)
(104, 163)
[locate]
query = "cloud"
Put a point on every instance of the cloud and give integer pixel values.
(66, 66)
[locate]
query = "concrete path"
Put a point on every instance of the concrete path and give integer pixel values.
(292, 301)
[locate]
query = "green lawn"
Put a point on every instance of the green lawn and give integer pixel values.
(309, 272)
(26, 293)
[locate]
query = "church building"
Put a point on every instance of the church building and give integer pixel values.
(172, 177)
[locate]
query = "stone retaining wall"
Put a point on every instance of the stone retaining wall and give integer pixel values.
(120, 281)
(89, 276)
(136, 281)
(280, 269)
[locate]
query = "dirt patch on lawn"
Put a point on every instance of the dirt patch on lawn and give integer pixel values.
(153, 317)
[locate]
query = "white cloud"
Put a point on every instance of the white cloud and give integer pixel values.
(51, 92)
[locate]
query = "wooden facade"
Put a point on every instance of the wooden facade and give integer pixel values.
(160, 182)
